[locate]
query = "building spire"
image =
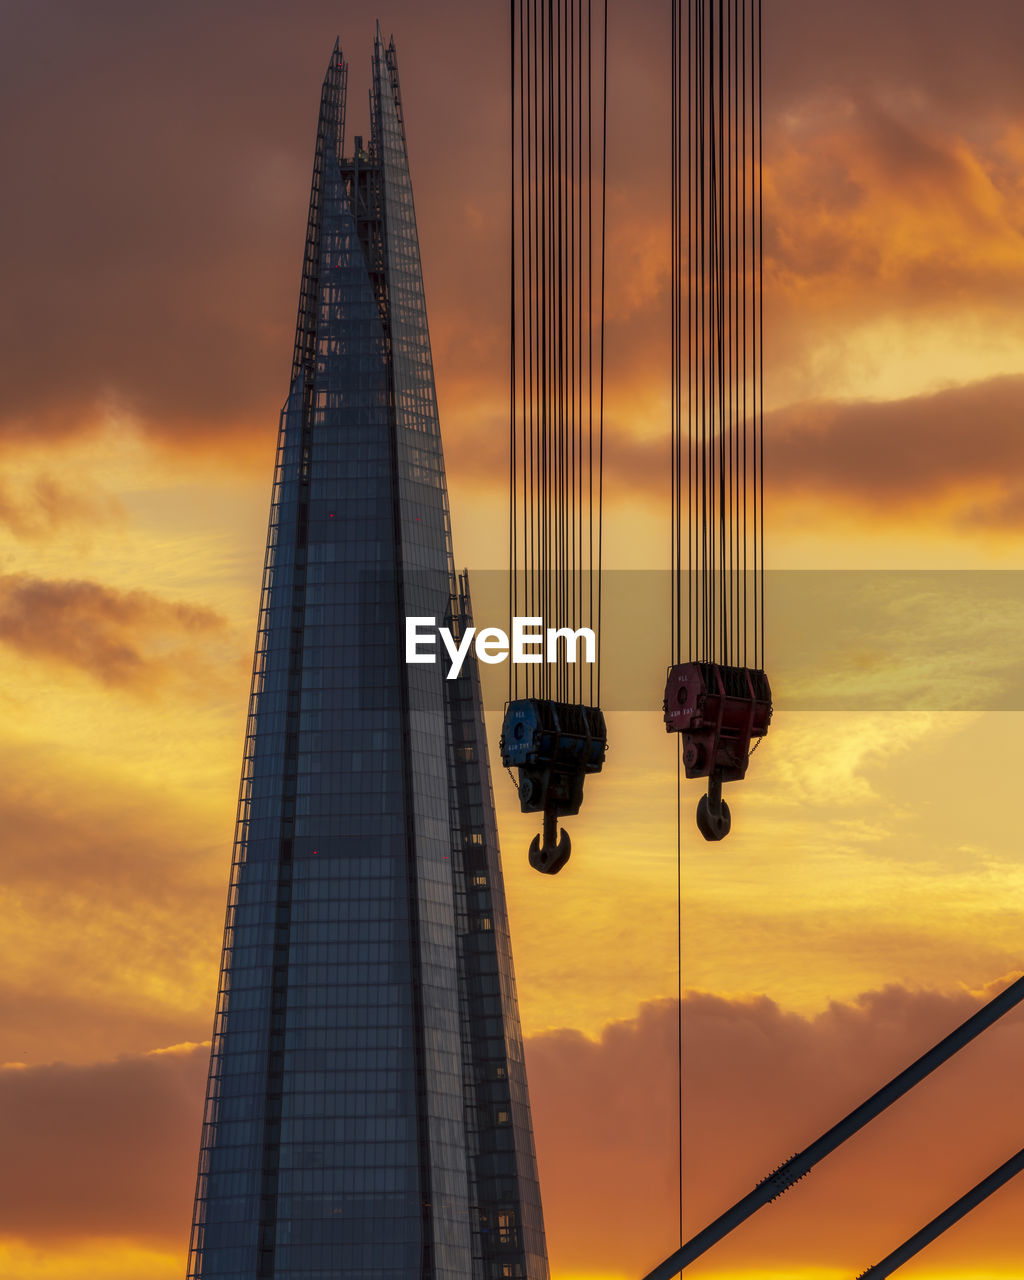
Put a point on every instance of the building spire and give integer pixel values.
(330, 146)
(367, 1104)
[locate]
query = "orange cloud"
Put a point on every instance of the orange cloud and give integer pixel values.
(112, 893)
(960, 448)
(183, 319)
(38, 509)
(88, 1260)
(955, 456)
(104, 1150)
(167, 294)
(760, 1084)
(101, 631)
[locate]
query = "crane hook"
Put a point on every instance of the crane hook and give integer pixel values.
(713, 818)
(550, 856)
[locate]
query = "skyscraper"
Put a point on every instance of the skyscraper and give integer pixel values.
(367, 1112)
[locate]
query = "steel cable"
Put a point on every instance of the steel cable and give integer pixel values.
(559, 65)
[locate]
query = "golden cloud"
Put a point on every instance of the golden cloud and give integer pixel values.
(125, 639)
(760, 1083)
(39, 509)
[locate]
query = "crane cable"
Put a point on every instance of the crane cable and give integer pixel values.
(717, 360)
(558, 67)
(717, 332)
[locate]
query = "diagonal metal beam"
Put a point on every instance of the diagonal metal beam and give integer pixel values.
(947, 1218)
(796, 1167)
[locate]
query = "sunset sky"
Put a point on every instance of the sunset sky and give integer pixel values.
(155, 163)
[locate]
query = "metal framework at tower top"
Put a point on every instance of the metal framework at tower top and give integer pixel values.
(330, 145)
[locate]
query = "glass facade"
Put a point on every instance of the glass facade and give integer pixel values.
(367, 1112)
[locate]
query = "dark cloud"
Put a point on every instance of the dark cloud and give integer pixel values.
(158, 158)
(161, 157)
(760, 1085)
(957, 454)
(104, 1150)
(109, 1149)
(125, 639)
(963, 445)
(923, 47)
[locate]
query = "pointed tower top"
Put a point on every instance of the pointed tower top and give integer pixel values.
(337, 59)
